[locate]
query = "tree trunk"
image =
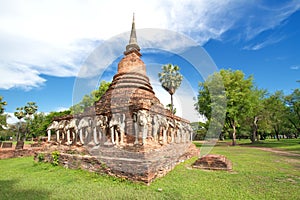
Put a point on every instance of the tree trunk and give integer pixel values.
(296, 127)
(277, 134)
(172, 104)
(221, 137)
(234, 135)
(255, 127)
(18, 134)
(262, 137)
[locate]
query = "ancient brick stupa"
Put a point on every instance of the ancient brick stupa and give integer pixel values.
(130, 131)
(130, 91)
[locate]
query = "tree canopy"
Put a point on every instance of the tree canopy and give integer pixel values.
(238, 98)
(34, 124)
(277, 111)
(2, 104)
(212, 104)
(293, 103)
(250, 111)
(89, 99)
(30, 108)
(2, 116)
(25, 112)
(20, 113)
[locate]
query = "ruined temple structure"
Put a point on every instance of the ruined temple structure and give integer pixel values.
(128, 129)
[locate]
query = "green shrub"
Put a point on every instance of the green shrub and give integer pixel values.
(41, 157)
(55, 156)
(103, 166)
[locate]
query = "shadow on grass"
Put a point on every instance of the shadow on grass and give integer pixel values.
(9, 190)
(287, 144)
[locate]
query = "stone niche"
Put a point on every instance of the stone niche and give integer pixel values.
(128, 129)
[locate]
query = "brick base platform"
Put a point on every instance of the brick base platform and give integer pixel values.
(14, 153)
(135, 166)
(213, 162)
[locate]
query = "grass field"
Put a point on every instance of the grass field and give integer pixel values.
(15, 142)
(256, 175)
(292, 145)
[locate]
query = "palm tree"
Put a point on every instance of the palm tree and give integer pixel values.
(170, 79)
(19, 114)
(30, 109)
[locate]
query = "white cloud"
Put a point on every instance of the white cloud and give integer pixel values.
(203, 20)
(19, 75)
(23, 60)
(267, 17)
(60, 109)
(295, 67)
(54, 37)
(11, 119)
(266, 42)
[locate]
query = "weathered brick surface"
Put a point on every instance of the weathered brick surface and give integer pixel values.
(6, 145)
(74, 161)
(145, 166)
(132, 63)
(13, 153)
(129, 92)
(136, 166)
(213, 162)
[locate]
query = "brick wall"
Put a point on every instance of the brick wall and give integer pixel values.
(12, 153)
(136, 166)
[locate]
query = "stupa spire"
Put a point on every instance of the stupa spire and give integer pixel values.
(133, 45)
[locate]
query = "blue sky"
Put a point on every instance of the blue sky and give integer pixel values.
(44, 45)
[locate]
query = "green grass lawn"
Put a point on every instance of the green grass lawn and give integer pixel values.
(292, 145)
(256, 175)
(15, 142)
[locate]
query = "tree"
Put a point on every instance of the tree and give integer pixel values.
(238, 93)
(89, 100)
(25, 112)
(256, 112)
(39, 122)
(169, 107)
(170, 79)
(2, 116)
(97, 94)
(277, 112)
(2, 104)
(293, 103)
(3, 123)
(264, 127)
(38, 125)
(20, 114)
(30, 109)
(212, 104)
(238, 97)
(201, 130)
